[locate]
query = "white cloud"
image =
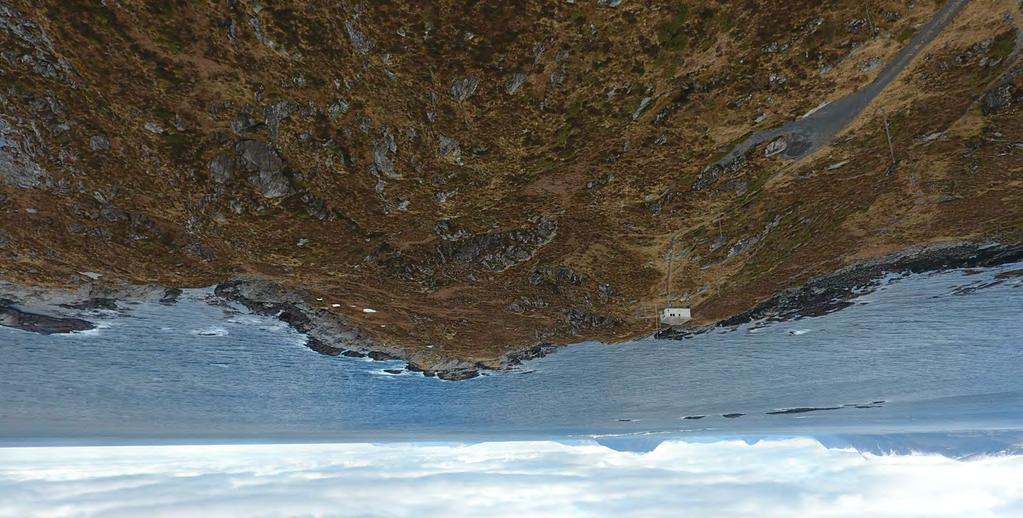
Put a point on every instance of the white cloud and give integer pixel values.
(792, 477)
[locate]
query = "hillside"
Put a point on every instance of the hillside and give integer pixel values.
(453, 182)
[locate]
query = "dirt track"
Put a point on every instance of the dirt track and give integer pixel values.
(805, 135)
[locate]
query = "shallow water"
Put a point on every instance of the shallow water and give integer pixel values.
(932, 357)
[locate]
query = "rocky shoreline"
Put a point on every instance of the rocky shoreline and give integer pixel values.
(834, 291)
(330, 334)
(11, 316)
(51, 311)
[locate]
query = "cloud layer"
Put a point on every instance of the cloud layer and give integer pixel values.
(791, 477)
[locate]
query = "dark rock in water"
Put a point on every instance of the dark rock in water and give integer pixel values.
(693, 417)
(93, 303)
(1009, 274)
(732, 416)
(380, 357)
(537, 351)
(327, 332)
(458, 375)
(170, 296)
(36, 323)
(322, 348)
(394, 371)
(286, 311)
(449, 370)
(801, 410)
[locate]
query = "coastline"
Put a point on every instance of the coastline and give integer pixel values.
(52, 311)
(834, 291)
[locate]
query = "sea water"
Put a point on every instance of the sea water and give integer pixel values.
(923, 354)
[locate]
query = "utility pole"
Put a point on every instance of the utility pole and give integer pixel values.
(667, 284)
(657, 322)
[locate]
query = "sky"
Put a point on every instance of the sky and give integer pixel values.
(776, 477)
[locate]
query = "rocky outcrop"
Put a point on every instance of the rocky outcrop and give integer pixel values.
(17, 165)
(498, 251)
(330, 334)
(11, 316)
(262, 159)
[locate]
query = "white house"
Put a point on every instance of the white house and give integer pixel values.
(675, 316)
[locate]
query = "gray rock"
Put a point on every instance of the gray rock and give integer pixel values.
(382, 160)
(42, 58)
(11, 316)
(515, 82)
(775, 47)
(526, 304)
(580, 320)
(99, 143)
(776, 146)
(383, 153)
(857, 25)
(777, 80)
(259, 156)
(274, 115)
(262, 159)
(463, 89)
(338, 108)
(170, 296)
(643, 104)
(222, 168)
(243, 122)
(360, 42)
(562, 276)
(609, 3)
(450, 149)
(449, 231)
(257, 31)
(17, 167)
(871, 63)
(498, 251)
(997, 99)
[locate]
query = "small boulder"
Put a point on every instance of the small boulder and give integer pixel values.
(463, 89)
(776, 146)
(99, 143)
